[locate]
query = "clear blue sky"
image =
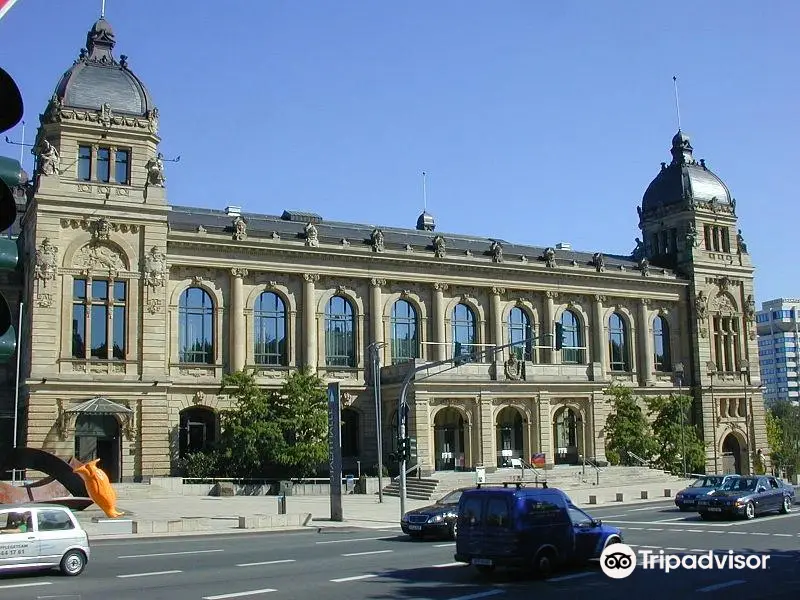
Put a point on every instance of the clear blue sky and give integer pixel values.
(537, 122)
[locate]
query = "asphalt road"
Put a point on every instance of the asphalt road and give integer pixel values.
(348, 564)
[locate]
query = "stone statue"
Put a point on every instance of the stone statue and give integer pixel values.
(105, 114)
(102, 229)
(46, 261)
(152, 117)
(733, 206)
(549, 258)
(701, 305)
(740, 243)
(513, 367)
(312, 235)
(691, 237)
(439, 247)
(638, 252)
(377, 240)
(155, 268)
(599, 262)
(49, 160)
(497, 251)
(239, 228)
(644, 266)
(639, 211)
(53, 112)
(750, 308)
(155, 170)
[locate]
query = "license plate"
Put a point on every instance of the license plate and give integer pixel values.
(415, 527)
(714, 510)
(688, 501)
(482, 562)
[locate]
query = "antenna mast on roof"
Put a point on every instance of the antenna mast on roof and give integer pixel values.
(677, 103)
(103, 9)
(424, 192)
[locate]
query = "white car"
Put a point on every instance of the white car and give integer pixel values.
(42, 536)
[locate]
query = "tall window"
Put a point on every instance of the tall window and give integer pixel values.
(122, 166)
(103, 165)
(619, 353)
(464, 329)
(270, 330)
(405, 345)
(340, 342)
(520, 333)
(196, 327)
(98, 319)
(84, 163)
(572, 352)
(726, 343)
(662, 359)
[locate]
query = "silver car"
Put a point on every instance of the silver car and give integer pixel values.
(42, 536)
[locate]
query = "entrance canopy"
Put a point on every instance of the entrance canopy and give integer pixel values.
(100, 406)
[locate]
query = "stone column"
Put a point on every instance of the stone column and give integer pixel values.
(497, 318)
(598, 333)
(645, 349)
(546, 428)
(310, 320)
(440, 349)
(546, 338)
(236, 325)
(376, 309)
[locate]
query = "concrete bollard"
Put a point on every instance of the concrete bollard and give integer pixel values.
(619, 497)
(592, 499)
(282, 504)
(644, 494)
(667, 493)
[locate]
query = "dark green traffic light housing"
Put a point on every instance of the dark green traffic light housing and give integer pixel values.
(12, 107)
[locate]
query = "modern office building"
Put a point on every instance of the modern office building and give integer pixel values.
(135, 307)
(778, 344)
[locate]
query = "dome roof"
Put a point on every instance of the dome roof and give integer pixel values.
(684, 178)
(426, 222)
(97, 78)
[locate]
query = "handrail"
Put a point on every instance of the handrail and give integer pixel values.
(529, 466)
(409, 470)
(596, 469)
(636, 457)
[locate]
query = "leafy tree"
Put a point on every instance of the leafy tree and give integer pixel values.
(627, 430)
(674, 434)
(783, 435)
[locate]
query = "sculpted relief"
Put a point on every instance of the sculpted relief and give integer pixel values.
(155, 268)
(96, 257)
(46, 262)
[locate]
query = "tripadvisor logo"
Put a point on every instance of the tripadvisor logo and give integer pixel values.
(619, 561)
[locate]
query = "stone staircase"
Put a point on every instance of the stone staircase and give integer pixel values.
(423, 488)
(140, 491)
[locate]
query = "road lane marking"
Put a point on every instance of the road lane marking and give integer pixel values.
(266, 562)
(701, 550)
(24, 585)
(699, 531)
(650, 508)
(367, 553)
(353, 540)
(240, 594)
(609, 517)
(170, 553)
(644, 523)
(479, 595)
(444, 545)
(445, 565)
(676, 549)
(354, 578)
(654, 529)
(569, 577)
(737, 532)
(720, 586)
(151, 573)
(654, 547)
(754, 533)
(782, 535)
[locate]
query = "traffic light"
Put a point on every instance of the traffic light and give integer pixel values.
(412, 448)
(559, 341)
(11, 177)
(402, 449)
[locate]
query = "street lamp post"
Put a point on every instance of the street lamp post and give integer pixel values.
(375, 347)
(711, 367)
(678, 369)
(744, 370)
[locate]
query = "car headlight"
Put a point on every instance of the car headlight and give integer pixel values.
(679, 496)
(436, 519)
(740, 503)
(404, 519)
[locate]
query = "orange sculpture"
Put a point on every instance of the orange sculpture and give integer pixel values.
(99, 487)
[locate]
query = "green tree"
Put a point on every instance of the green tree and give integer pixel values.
(674, 434)
(783, 435)
(627, 430)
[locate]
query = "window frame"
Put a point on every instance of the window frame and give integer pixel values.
(186, 356)
(407, 322)
(261, 319)
(347, 317)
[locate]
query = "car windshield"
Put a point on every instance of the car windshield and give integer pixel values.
(451, 498)
(741, 484)
(706, 482)
(578, 517)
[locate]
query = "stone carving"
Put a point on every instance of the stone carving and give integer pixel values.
(152, 120)
(101, 229)
(523, 259)
(344, 242)
(155, 171)
(549, 257)
(46, 262)
(496, 251)
(311, 277)
(498, 290)
(513, 367)
(312, 235)
(348, 399)
(201, 229)
(376, 238)
(692, 238)
(599, 262)
(377, 282)
(750, 308)
(53, 112)
(199, 397)
(44, 300)
(105, 114)
(467, 252)
(239, 228)
(239, 272)
(701, 305)
(644, 267)
(741, 246)
(95, 257)
(154, 305)
(155, 268)
(48, 158)
(723, 304)
(440, 286)
(638, 252)
(439, 247)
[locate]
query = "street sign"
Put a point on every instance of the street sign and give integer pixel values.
(335, 450)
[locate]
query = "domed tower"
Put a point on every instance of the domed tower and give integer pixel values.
(689, 223)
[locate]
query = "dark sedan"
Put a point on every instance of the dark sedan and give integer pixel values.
(748, 497)
(439, 519)
(687, 498)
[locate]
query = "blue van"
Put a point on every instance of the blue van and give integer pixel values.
(538, 528)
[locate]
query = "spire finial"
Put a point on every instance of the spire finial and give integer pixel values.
(103, 9)
(677, 102)
(424, 191)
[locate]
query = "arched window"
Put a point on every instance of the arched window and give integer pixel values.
(270, 330)
(572, 352)
(198, 430)
(520, 333)
(619, 352)
(662, 359)
(464, 329)
(340, 342)
(405, 345)
(196, 327)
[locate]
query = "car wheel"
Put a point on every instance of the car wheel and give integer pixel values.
(610, 541)
(73, 563)
(787, 505)
(544, 564)
(453, 530)
(750, 511)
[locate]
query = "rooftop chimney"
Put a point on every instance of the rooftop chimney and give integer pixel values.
(233, 211)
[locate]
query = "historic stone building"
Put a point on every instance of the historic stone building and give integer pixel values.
(136, 307)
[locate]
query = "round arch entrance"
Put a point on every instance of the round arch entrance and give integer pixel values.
(448, 440)
(97, 436)
(732, 455)
(566, 432)
(198, 432)
(509, 436)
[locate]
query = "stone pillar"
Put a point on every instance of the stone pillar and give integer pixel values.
(497, 318)
(487, 440)
(310, 320)
(440, 349)
(546, 429)
(645, 349)
(376, 310)
(599, 340)
(236, 324)
(546, 337)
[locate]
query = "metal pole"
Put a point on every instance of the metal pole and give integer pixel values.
(714, 414)
(376, 383)
(16, 391)
(683, 443)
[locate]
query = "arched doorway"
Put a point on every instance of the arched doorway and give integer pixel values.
(198, 430)
(350, 445)
(448, 440)
(731, 455)
(566, 432)
(98, 436)
(509, 436)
